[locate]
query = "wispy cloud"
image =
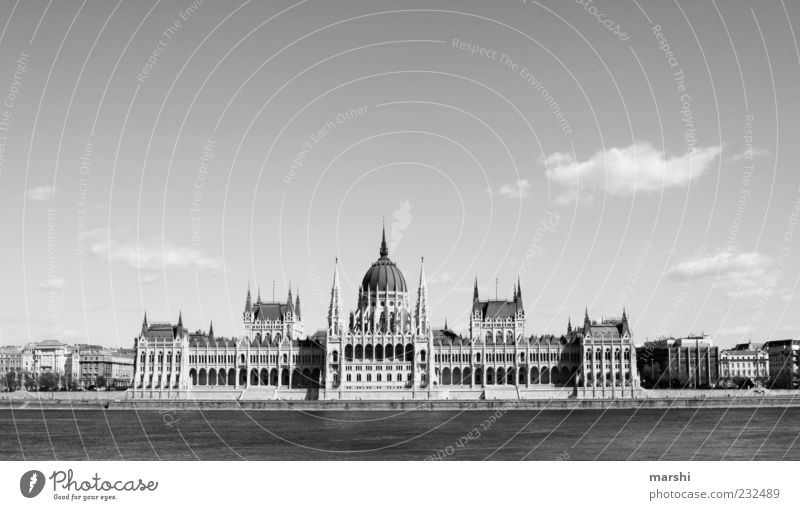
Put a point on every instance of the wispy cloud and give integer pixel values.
(514, 190)
(52, 284)
(41, 193)
(443, 277)
(740, 275)
(154, 258)
(748, 155)
(625, 171)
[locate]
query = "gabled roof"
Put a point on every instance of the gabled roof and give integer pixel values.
(495, 309)
(271, 311)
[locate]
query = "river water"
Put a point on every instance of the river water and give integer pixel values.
(618, 434)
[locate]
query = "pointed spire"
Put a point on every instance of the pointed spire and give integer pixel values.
(248, 303)
(384, 249)
(289, 297)
(422, 280)
(569, 325)
(144, 324)
(475, 292)
(180, 318)
(445, 322)
(258, 299)
(211, 331)
(624, 315)
(297, 303)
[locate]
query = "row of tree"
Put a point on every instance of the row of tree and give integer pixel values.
(47, 381)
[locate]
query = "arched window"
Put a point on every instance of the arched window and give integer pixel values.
(509, 337)
(389, 377)
(358, 377)
(335, 356)
(348, 352)
(422, 355)
(359, 352)
(349, 377)
(378, 377)
(489, 337)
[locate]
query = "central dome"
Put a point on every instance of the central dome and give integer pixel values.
(384, 275)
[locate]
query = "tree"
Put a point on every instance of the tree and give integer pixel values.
(10, 380)
(30, 381)
(100, 382)
(48, 381)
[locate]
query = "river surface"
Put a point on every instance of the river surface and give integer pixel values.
(617, 434)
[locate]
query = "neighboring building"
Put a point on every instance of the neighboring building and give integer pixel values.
(115, 367)
(10, 362)
(385, 349)
(679, 363)
(47, 356)
(783, 363)
(744, 365)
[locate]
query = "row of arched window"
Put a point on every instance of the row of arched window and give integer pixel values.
(379, 353)
(151, 358)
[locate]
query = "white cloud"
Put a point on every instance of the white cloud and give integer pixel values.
(441, 278)
(41, 193)
(152, 259)
(734, 331)
(638, 168)
(748, 155)
(52, 284)
(516, 190)
(741, 275)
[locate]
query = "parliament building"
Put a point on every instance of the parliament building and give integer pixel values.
(385, 349)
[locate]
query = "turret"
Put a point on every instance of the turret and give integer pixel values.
(422, 315)
(335, 308)
(248, 303)
(297, 304)
(145, 325)
(211, 331)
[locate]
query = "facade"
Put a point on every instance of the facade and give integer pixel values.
(783, 363)
(10, 363)
(47, 356)
(385, 348)
(679, 363)
(744, 365)
(115, 368)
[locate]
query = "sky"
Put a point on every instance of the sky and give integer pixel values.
(162, 155)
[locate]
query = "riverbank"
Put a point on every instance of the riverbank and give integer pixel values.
(717, 402)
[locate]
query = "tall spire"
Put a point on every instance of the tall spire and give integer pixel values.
(475, 292)
(297, 304)
(518, 297)
(211, 331)
(335, 319)
(422, 313)
(569, 325)
(258, 299)
(248, 303)
(384, 249)
(289, 297)
(144, 324)
(180, 317)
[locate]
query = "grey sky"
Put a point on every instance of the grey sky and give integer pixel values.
(610, 153)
